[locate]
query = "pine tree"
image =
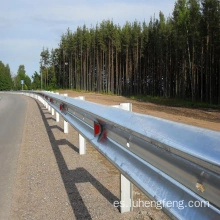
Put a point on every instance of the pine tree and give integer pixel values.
(5, 77)
(175, 57)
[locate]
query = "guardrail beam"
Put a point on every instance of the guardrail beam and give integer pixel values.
(152, 153)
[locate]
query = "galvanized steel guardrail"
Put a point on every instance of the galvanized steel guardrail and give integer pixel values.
(166, 160)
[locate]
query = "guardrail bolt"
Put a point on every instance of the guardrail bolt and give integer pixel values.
(200, 187)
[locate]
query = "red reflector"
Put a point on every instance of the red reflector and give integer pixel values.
(51, 100)
(61, 107)
(97, 128)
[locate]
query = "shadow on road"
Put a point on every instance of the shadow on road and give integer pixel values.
(72, 177)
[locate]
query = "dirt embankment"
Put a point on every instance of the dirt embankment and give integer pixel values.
(209, 118)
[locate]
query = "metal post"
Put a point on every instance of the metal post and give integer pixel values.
(66, 128)
(82, 140)
(126, 185)
(82, 145)
(66, 125)
(57, 114)
(57, 117)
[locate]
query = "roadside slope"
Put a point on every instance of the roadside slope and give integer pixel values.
(208, 118)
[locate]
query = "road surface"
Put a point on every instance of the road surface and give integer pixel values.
(12, 119)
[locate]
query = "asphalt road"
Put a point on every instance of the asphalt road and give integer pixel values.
(12, 119)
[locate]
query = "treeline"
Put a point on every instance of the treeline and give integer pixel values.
(5, 77)
(178, 56)
(21, 75)
(9, 82)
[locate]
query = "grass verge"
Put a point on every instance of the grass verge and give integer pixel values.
(174, 102)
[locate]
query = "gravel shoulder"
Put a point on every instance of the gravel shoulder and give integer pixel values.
(54, 182)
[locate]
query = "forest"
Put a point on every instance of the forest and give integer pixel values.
(170, 57)
(9, 82)
(5, 77)
(177, 57)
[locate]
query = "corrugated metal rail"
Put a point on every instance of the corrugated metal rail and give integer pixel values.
(166, 160)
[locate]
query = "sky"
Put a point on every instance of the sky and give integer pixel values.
(26, 26)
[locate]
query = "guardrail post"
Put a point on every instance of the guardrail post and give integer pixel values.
(52, 112)
(65, 125)
(46, 104)
(57, 117)
(82, 140)
(82, 145)
(57, 114)
(66, 128)
(126, 185)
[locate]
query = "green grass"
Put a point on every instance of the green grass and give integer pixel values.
(173, 102)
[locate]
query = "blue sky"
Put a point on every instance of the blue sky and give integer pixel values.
(27, 26)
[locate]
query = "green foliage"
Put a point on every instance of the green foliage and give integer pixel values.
(27, 82)
(5, 77)
(36, 81)
(21, 75)
(48, 63)
(175, 57)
